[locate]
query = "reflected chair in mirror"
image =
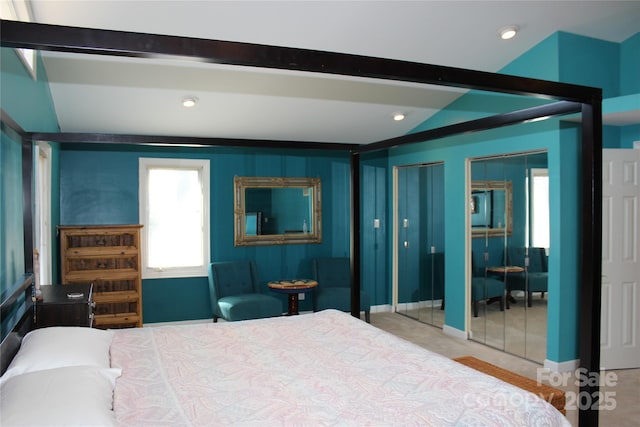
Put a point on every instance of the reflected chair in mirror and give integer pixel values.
(235, 292)
(334, 286)
(535, 277)
(485, 288)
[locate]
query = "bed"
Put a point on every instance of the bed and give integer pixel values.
(325, 368)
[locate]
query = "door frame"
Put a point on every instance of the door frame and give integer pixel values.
(42, 194)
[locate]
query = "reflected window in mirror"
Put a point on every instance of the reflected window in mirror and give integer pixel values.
(539, 190)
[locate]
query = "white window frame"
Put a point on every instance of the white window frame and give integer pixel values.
(202, 166)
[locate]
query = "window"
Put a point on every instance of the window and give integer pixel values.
(174, 209)
(19, 10)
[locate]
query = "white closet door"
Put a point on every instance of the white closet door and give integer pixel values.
(620, 330)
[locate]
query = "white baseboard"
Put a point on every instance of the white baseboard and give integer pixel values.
(568, 366)
(384, 308)
(408, 306)
(454, 332)
(180, 322)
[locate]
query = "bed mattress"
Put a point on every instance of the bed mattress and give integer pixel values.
(326, 368)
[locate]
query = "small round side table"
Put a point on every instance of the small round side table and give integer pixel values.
(292, 287)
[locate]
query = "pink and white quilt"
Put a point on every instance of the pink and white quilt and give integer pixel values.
(326, 368)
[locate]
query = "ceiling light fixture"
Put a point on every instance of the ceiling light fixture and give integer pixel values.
(507, 33)
(189, 101)
(399, 116)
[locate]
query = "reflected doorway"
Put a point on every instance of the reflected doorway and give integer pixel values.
(420, 242)
(509, 253)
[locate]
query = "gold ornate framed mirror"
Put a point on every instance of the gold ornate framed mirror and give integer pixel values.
(277, 211)
(490, 207)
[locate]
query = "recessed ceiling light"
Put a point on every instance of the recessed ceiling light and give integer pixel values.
(509, 32)
(399, 116)
(189, 101)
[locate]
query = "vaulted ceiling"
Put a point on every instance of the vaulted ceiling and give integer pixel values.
(143, 96)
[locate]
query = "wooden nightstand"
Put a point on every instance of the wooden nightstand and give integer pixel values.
(65, 305)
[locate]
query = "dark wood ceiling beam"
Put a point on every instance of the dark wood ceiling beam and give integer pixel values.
(185, 141)
(130, 44)
(485, 123)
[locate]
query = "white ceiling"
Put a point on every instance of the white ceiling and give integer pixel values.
(136, 96)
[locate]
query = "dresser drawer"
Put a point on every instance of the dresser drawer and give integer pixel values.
(109, 240)
(97, 263)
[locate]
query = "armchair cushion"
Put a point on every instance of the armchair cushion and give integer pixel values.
(235, 292)
(249, 306)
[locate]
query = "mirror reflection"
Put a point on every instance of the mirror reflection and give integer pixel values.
(490, 208)
(271, 211)
(421, 243)
(509, 291)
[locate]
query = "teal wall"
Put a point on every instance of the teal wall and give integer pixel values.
(630, 65)
(628, 97)
(100, 186)
(26, 100)
(29, 103)
(589, 62)
(12, 265)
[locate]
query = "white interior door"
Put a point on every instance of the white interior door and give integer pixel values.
(620, 330)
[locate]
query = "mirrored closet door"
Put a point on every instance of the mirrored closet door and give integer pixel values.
(420, 234)
(509, 219)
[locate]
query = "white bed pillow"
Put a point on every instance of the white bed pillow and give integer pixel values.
(61, 346)
(70, 396)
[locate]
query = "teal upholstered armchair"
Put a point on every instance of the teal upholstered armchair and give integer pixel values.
(535, 279)
(235, 292)
(334, 286)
